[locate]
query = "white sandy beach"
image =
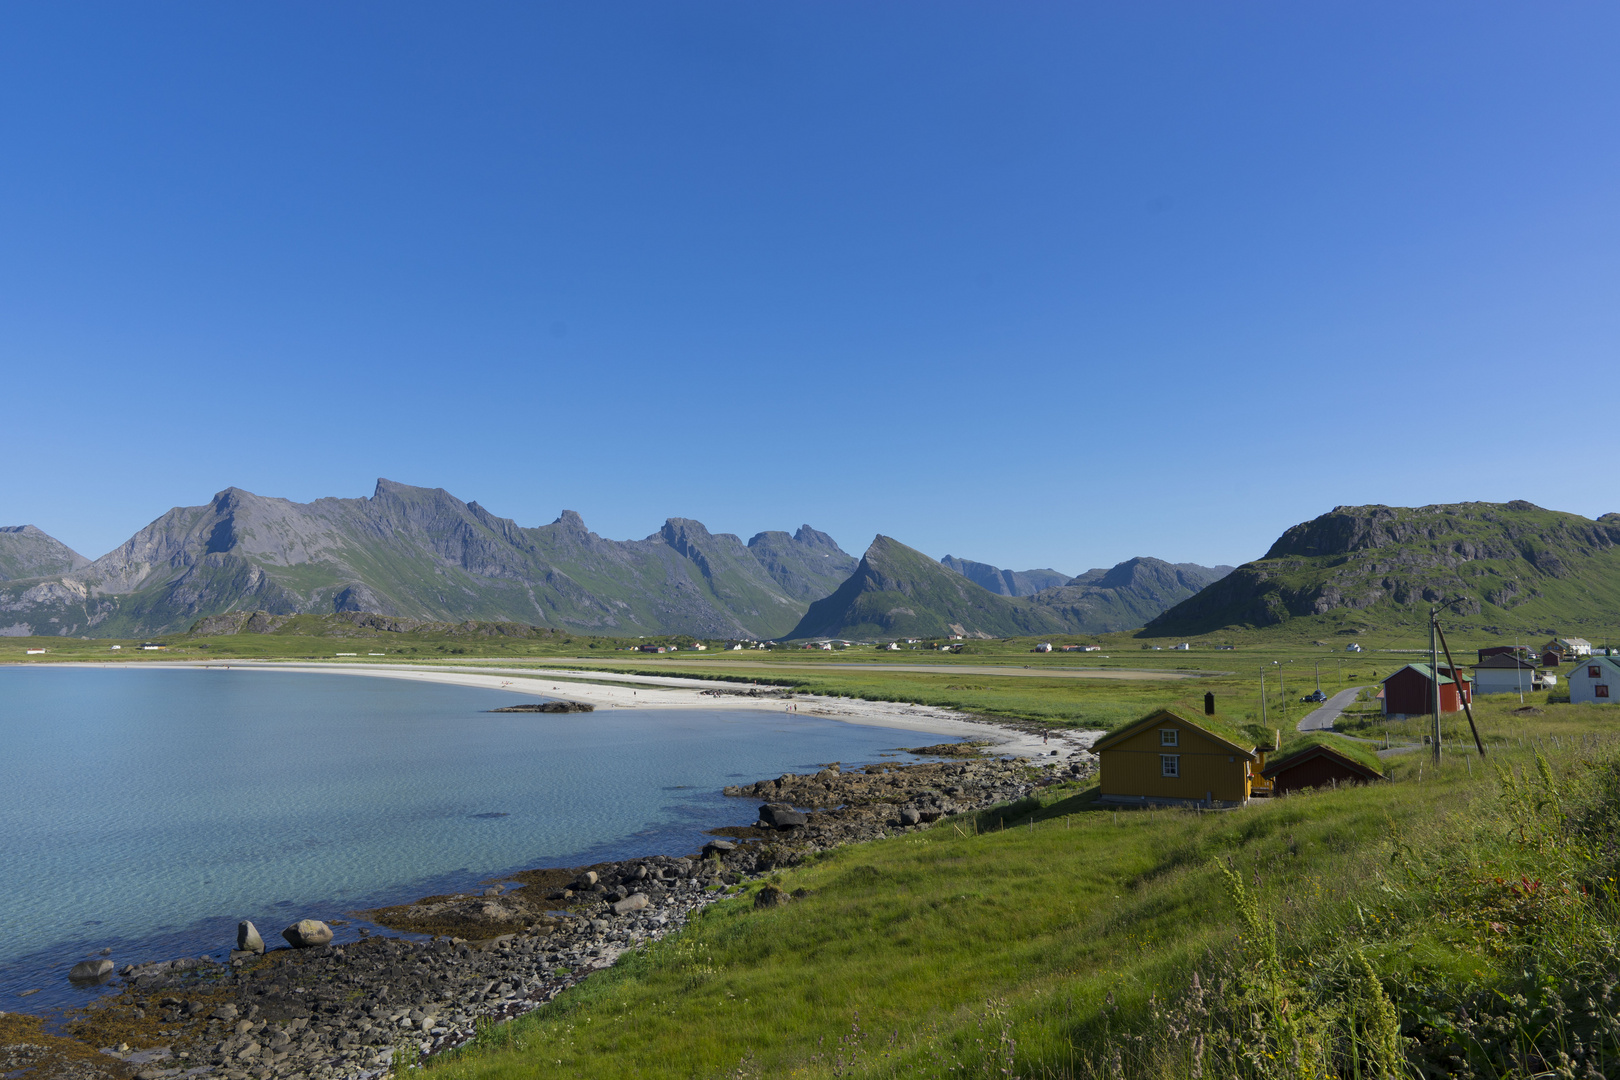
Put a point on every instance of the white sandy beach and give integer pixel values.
(668, 692)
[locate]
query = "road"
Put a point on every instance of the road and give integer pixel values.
(1322, 719)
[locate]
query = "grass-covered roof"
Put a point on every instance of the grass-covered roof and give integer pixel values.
(1245, 736)
(1305, 741)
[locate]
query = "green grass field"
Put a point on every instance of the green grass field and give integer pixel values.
(1057, 939)
(1456, 920)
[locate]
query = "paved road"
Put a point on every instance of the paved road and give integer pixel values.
(1322, 719)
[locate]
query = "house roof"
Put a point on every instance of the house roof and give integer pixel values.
(1610, 661)
(1504, 660)
(1425, 671)
(1314, 744)
(1222, 731)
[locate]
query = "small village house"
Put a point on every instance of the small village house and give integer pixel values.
(1595, 680)
(1045, 646)
(1352, 647)
(1169, 758)
(1409, 691)
(1508, 673)
(1324, 761)
(1569, 647)
(1503, 650)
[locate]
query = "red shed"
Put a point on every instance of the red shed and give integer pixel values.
(1409, 691)
(1320, 765)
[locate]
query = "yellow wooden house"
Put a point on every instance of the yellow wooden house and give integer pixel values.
(1167, 758)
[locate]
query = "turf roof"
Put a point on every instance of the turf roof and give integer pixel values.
(1358, 752)
(1238, 735)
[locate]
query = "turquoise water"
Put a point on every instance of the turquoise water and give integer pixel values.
(146, 811)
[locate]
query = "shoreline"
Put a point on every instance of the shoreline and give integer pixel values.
(345, 1011)
(610, 691)
(501, 952)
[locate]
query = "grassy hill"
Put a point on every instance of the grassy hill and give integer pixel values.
(1446, 923)
(1489, 566)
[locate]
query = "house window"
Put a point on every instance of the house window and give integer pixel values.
(1594, 672)
(1601, 690)
(1170, 764)
(1168, 737)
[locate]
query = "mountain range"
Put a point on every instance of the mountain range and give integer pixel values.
(900, 592)
(422, 554)
(1491, 566)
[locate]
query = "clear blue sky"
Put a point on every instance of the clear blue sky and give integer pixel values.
(1036, 284)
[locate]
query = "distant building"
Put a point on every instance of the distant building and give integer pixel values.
(698, 646)
(1409, 692)
(1183, 647)
(1503, 650)
(1045, 646)
(33, 652)
(893, 646)
(1568, 647)
(1507, 673)
(1595, 680)
(737, 648)
(1352, 647)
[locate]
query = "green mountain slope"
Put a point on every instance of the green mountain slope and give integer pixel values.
(1128, 595)
(424, 554)
(1490, 565)
(897, 591)
(27, 552)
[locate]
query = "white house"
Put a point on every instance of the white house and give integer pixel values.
(1570, 646)
(1183, 647)
(1045, 646)
(1595, 679)
(1505, 673)
(1352, 647)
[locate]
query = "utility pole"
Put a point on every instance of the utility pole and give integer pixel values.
(1434, 681)
(1262, 697)
(1319, 676)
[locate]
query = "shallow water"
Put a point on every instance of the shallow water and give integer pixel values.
(146, 811)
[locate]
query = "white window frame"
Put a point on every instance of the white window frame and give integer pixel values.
(1169, 736)
(1170, 766)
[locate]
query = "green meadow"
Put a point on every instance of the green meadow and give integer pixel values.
(1459, 919)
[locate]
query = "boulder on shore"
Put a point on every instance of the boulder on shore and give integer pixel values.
(633, 902)
(770, 896)
(247, 938)
(781, 816)
(306, 933)
(91, 971)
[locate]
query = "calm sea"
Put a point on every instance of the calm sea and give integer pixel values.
(146, 811)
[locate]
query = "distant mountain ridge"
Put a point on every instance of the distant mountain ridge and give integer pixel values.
(1487, 564)
(422, 553)
(1005, 582)
(1127, 596)
(899, 592)
(28, 552)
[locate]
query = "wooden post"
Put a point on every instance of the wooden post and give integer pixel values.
(1434, 682)
(1455, 678)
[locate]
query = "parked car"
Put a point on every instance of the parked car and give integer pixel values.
(1314, 696)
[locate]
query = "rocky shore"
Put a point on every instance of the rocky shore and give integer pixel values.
(328, 1011)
